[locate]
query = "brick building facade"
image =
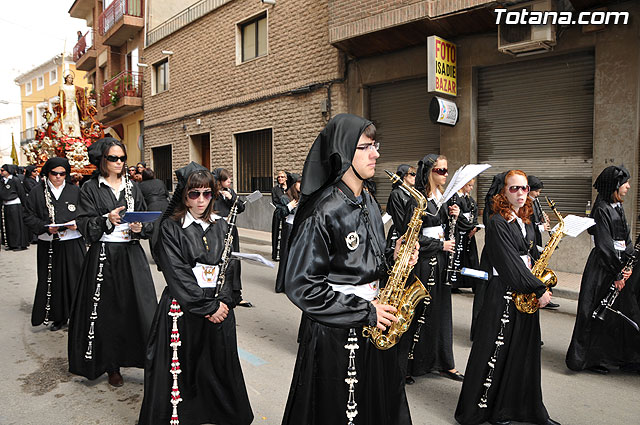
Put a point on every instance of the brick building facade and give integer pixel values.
(292, 89)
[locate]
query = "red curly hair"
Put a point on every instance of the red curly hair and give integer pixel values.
(502, 206)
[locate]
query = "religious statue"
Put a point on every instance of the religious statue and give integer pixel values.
(71, 118)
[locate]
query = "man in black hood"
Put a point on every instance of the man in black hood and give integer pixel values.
(336, 260)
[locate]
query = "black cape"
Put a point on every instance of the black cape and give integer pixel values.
(318, 256)
(127, 298)
(211, 383)
(515, 392)
(282, 210)
(611, 342)
(66, 255)
(15, 234)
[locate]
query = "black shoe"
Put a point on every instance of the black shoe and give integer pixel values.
(245, 303)
(551, 306)
(456, 376)
(409, 380)
(541, 343)
(115, 379)
(505, 422)
(55, 326)
(551, 422)
(598, 369)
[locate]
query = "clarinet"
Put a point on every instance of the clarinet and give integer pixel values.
(612, 295)
(452, 274)
(228, 245)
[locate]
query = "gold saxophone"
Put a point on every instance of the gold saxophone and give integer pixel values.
(528, 303)
(395, 292)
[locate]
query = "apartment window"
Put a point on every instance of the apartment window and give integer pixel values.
(253, 153)
(53, 76)
(161, 73)
(28, 89)
(40, 82)
(253, 35)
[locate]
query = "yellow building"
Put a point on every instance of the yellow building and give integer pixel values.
(38, 87)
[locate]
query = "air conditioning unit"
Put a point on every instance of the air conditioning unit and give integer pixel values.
(526, 39)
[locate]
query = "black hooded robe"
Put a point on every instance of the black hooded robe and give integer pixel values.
(285, 215)
(514, 393)
(15, 234)
(611, 342)
(127, 298)
(319, 257)
(211, 383)
(398, 204)
(67, 254)
(276, 222)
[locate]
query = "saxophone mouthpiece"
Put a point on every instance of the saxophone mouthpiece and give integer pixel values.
(394, 177)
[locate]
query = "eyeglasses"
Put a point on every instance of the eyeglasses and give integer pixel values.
(371, 146)
(411, 174)
(195, 194)
(515, 189)
(114, 158)
(58, 173)
(440, 171)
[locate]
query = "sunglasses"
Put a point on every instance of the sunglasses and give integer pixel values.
(195, 194)
(114, 158)
(282, 177)
(515, 189)
(440, 171)
(371, 146)
(411, 174)
(58, 173)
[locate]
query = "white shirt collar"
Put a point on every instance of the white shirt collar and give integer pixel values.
(57, 191)
(6, 179)
(188, 219)
(102, 180)
(520, 223)
(436, 196)
(615, 204)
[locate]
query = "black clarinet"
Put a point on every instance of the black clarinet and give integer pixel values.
(607, 302)
(452, 270)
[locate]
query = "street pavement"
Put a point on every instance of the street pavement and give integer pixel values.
(38, 389)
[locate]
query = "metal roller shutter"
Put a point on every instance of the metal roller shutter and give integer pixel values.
(537, 116)
(400, 112)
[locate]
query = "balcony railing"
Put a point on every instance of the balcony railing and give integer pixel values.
(85, 43)
(115, 12)
(127, 83)
(27, 135)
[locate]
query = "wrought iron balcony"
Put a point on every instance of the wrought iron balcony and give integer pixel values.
(122, 94)
(120, 21)
(84, 52)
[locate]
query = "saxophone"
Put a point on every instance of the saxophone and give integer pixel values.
(528, 303)
(395, 293)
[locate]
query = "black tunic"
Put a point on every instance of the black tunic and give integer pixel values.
(398, 204)
(611, 342)
(222, 207)
(127, 298)
(283, 212)
(466, 248)
(515, 392)
(434, 347)
(211, 383)
(276, 223)
(155, 194)
(15, 234)
(319, 256)
(29, 183)
(66, 256)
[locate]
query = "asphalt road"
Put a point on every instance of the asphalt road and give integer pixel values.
(37, 388)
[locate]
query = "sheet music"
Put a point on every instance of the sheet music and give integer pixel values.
(254, 258)
(574, 225)
(460, 178)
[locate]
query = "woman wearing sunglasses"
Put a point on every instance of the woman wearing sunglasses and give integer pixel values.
(115, 301)
(399, 201)
(502, 382)
(431, 342)
(192, 373)
(15, 234)
(60, 248)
